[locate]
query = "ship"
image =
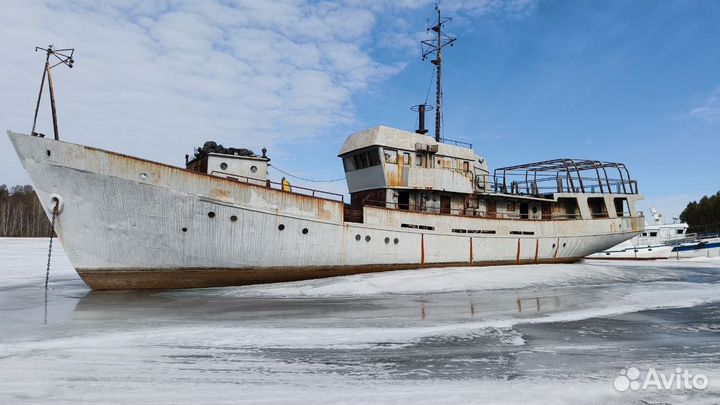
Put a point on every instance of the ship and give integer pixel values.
(415, 201)
(663, 241)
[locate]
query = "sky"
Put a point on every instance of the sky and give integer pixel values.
(631, 81)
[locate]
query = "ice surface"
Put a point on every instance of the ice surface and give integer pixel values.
(510, 334)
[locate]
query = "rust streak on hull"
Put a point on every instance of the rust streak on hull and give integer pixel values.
(140, 279)
(471, 251)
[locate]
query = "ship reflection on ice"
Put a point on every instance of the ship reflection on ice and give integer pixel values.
(506, 334)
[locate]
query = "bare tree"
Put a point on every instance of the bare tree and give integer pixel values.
(21, 214)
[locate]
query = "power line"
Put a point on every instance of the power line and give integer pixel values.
(303, 178)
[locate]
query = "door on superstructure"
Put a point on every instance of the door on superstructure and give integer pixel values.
(524, 210)
(546, 211)
(404, 200)
(491, 208)
(444, 204)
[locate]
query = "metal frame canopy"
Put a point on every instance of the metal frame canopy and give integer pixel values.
(572, 172)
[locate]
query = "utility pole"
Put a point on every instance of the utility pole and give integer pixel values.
(435, 46)
(65, 57)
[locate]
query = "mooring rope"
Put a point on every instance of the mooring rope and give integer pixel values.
(47, 271)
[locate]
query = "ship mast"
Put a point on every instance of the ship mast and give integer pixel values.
(435, 46)
(64, 57)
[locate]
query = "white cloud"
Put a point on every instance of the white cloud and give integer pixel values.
(710, 111)
(154, 78)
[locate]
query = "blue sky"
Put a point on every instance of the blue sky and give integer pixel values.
(630, 81)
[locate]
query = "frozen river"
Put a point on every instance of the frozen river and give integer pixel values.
(510, 334)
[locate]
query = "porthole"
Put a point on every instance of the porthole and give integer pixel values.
(48, 152)
(396, 241)
(367, 238)
(564, 244)
(387, 240)
(233, 218)
(184, 229)
(253, 169)
(305, 231)
(281, 227)
(143, 176)
(534, 210)
(358, 237)
(223, 166)
(211, 214)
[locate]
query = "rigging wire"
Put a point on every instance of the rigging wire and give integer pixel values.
(427, 96)
(432, 75)
(303, 178)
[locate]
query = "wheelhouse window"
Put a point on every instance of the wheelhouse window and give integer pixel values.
(391, 156)
(680, 231)
(361, 160)
(466, 166)
(653, 233)
(374, 156)
(406, 158)
(348, 164)
(418, 160)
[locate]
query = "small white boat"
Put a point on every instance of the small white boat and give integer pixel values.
(704, 246)
(663, 241)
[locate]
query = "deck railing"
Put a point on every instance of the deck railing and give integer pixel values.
(279, 186)
(470, 212)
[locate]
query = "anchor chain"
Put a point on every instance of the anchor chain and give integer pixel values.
(52, 233)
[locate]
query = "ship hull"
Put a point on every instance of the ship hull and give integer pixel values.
(129, 223)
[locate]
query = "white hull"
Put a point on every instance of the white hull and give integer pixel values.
(635, 253)
(122, 224)
(707, 248)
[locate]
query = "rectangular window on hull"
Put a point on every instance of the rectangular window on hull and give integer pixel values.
(413, 226)
(418, 160)
(485, 231)
(406, 158)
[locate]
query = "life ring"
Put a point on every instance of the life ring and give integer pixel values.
(56, 200)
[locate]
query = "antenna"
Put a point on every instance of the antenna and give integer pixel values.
(435, 46)
(64, 57)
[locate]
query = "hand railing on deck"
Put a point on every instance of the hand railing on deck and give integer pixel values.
(472, 212)
(279, 186)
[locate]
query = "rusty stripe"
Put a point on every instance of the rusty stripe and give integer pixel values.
(517, 257)
(422, 248)
(557, 247)
(471, 251)
(537, 249)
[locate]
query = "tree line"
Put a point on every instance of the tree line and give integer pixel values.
(703, 216)
(21, 214)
